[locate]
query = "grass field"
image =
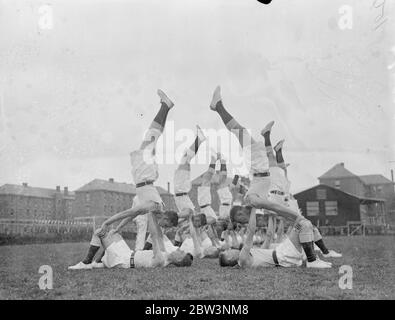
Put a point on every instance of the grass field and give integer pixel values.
(372, 259)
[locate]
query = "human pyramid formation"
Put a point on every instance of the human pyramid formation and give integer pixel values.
(246, 221)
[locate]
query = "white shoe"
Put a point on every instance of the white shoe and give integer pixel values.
(97, 265)
(165, 99)
(318, 264)
(267, 128)
(279, 145)
(216, 98)
(81, 266)
(200, 134)
(327, 262)
(332, 254)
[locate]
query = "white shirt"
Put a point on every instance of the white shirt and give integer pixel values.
(204, 195)
(225, 196)
(182, 181)
(255, 158)
(144, 167)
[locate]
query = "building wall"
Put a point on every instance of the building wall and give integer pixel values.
(23, 207)
(351, 185)
(383, 191)
(347, 206)
(101, 203)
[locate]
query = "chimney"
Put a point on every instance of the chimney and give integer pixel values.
(392, 175)
(66, 191)
(111, 180)
(342, 164)
(24, 184)
(57, 188)
(168, 187)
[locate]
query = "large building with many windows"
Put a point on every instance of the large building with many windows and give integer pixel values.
(25, 202)
(107, 197)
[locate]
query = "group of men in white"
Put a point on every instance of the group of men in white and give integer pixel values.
(247, 231)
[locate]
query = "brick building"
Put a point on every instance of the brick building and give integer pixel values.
(107, 197)
(25, 202)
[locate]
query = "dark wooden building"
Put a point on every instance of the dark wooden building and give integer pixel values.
(327, 206)
(371, 186)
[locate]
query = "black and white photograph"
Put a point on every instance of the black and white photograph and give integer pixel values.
(198, 150)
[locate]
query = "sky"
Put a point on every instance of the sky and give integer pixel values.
(78, 87)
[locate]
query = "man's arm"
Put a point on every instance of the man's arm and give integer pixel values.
(245, 258)
(196, 242)
(269, 233)
(158, 258)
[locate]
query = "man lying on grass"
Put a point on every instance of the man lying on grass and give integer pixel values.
(117, 253)
(289, 253)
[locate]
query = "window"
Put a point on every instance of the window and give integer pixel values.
(379, 189)
(331, 208)
(11, 212)
(312, 208)
(321, 194)
(337, 184)
(87, 197)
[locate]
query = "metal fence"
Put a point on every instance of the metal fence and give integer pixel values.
(32, 226)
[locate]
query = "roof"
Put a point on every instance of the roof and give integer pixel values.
(337, 171)
(99, 184)
(374, 179)
(27, 191)
(113, 186)
(350, 194)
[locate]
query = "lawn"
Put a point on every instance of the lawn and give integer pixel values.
(372, 260)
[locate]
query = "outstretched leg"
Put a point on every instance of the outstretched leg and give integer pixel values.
(302, 237)
(320, 244)
(268, 144)
(158, 124)
(279, 155)
(231, 124)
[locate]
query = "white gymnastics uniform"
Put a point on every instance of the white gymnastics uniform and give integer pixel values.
(204, 201)
(278, 184)
(257, 162)
(287, 256)
(188, 247)
(141, 226)
(225, 198)
(182, 184)
(119, 255)
(145, 169)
